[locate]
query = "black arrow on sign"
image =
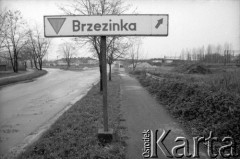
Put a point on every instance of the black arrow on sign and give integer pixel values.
(160, 21)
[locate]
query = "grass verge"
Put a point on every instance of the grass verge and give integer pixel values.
(74, 134)
(24, 77)
(201, 106)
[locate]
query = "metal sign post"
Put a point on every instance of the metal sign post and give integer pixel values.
(104, 82)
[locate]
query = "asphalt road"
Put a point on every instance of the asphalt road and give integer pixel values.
(26, 107)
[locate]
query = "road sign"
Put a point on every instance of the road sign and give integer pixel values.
(107, 25)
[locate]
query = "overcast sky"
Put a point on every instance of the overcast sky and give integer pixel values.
(192, 23)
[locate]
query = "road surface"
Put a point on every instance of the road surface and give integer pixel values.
(26, 107)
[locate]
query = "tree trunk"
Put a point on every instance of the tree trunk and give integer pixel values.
(110, 72)
(35, 63)
(15, 62)
(225, 60)
(12, 63)
(68, 64)
(25, 65)
(31, 63)
(40, 64)
(134, 66)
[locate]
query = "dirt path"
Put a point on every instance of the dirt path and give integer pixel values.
(142, 112)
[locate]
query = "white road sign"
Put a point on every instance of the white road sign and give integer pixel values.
(107, 25)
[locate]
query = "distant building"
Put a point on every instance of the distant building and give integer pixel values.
(157, 61)
(92, 61)
(4, 57)
(5, 61)
(76, 61)
(118, 64)
(49, 63)
(143, 66)
(61, 62)
(168, 61)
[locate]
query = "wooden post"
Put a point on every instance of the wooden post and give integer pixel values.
(104, 82)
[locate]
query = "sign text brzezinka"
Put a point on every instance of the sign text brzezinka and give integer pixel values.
(107, 25)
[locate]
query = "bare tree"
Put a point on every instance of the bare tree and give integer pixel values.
(68, 50)
(182, 55)
(227, 53)
(116, 49)
(194, 54)
(26, 54)
(209, 49)
(219, 49)
(209, 57)
(31, 49)
(94, 7)
(200, 53)
(212, 54)
(3, 15)
(238, 59)
(39, 47)
(218, 52)
(188, 55)
(134, 53)
(15, 36)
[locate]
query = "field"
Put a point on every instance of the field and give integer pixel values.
(203, 98)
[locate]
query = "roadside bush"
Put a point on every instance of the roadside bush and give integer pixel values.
(204, 109)
(228, 81)
(137, 72)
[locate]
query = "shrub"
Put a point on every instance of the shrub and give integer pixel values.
(204, 108)
(137, 72)
(227, 81)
